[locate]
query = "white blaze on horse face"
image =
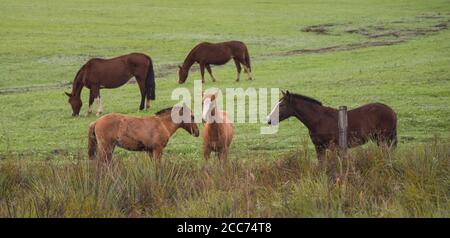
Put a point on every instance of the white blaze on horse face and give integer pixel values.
(206, 109)
(274, 114)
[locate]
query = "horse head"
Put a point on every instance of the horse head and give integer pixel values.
(188, 121)
(281, 110)
(75, 103)
(182, 74)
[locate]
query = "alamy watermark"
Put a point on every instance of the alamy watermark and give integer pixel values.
(236, 100)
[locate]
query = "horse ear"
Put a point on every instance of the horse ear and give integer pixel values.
(287, 92)
(68, 94)
(282, 92)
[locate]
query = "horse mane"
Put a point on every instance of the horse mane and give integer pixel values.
(306, 98)
(77, 83)
(188, 60)
(164, 111)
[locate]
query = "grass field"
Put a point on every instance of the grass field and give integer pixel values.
(340, 52)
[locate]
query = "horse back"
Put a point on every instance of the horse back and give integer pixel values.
(114, 72)
(218, 53)
(131, 132)
(373, 115)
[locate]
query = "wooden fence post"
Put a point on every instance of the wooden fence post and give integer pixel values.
(342, 124)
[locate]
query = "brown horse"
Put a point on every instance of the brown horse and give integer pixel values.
(374, 121)
(218, 131)
(149, 134)
(206, 54)
(112, 73)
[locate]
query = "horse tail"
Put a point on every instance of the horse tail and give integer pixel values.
(394, 138)
(150, 81)
(393, 135)
(92, 142)
(247, 59)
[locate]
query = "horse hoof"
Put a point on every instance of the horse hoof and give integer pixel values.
(98, 114)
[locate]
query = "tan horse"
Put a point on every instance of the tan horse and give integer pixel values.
(218, 131)
(149, 134)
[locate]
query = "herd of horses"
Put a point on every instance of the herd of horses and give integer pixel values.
(375, 121)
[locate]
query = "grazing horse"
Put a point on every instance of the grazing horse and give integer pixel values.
(218, 131)
(374, 121)
(206, 54)
(149, 134)
(112, 73)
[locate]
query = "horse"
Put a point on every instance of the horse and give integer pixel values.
(149, 134)
(207, 54)
(112, 73)
(374, 121)
(218, 131)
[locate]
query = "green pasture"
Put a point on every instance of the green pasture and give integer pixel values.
(44, 43)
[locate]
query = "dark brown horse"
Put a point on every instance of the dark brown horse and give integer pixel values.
(112, 73)
(374, 121)
(207, 54)
(149, 134)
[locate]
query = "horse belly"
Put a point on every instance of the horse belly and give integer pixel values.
(218, 61)
(217, 56)
(112, 74)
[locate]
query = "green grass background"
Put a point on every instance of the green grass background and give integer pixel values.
(44, 43)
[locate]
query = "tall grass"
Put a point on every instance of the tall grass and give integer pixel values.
(410, 182)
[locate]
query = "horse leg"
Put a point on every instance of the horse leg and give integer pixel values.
(321, 155)
(141, 83)
(91, 101)
(208, 67)
(202, 71)
(96, 94)
(157, 154)
(238, 68)
(247, 70)
(206, 154)
(223, 154)
(105, 150)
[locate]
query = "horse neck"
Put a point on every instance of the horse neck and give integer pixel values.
(77, 84)
(308, 113)
(169, 124)
(218, 115)
(189, 61)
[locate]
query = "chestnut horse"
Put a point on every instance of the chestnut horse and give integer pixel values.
(112, 73)
(374, 121)
(207, 54)
(218, 131)
(149, 134)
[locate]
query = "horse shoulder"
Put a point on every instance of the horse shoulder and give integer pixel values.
(157, 132)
